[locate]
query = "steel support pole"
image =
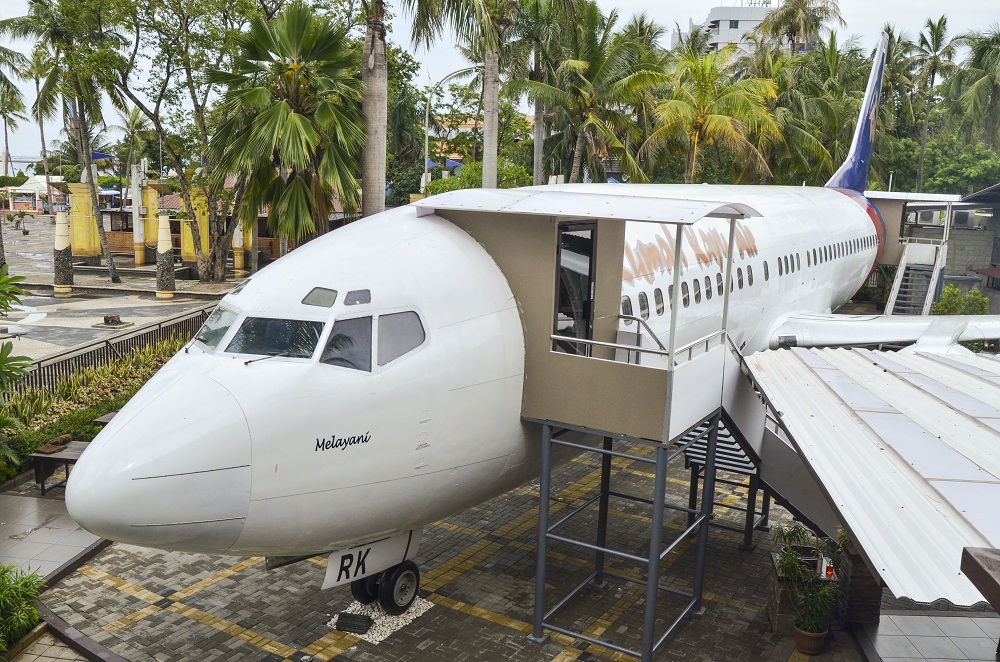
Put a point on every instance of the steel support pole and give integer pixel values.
(707, 497)
(602, 515)
(544, 487)
(655, 542)
(765, 511)
(693, 492)
(751, 514)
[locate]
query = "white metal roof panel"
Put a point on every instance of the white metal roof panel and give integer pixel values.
(619, 204)
(913, 476)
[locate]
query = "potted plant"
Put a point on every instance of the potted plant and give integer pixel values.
(806, 563)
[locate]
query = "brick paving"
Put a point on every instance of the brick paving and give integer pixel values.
(477, 568)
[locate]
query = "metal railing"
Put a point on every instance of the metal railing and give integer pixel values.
(47, 372)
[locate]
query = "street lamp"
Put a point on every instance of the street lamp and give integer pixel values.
(427, 119)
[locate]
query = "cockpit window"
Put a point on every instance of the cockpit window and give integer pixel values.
(274, 337)
(320, 296)
(215, 327)
(354, 297)
(398, 333)
(350, 344)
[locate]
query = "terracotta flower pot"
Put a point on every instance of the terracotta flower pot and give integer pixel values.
(809, 643)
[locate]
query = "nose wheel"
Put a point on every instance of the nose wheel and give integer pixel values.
(395, 589)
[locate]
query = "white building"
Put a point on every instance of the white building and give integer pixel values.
(727, 25)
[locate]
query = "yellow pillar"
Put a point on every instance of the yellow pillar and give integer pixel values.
(150, 220)
(200, 205)
(84, 239)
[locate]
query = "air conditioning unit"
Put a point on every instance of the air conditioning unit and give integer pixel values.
(961, 218)
(927, 217)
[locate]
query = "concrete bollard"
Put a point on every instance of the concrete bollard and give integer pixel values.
(62, 278)
(164, 260)
(238, 251)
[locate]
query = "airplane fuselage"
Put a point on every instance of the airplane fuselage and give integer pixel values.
(397, 403)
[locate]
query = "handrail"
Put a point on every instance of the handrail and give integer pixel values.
(646, 326)
(613, 345)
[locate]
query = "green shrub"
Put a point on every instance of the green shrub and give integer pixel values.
(18, 592)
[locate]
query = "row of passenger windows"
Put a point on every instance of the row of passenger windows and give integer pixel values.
(787, 264)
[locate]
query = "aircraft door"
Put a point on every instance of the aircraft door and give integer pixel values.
(575, 276)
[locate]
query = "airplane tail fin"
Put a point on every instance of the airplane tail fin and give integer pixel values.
(853, 172)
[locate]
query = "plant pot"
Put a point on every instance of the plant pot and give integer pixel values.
(809, 643)
(24, 231)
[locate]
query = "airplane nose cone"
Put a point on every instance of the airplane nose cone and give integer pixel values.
(171, 470)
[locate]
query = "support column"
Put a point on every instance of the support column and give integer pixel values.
(164, 261)
(602, 515)
(707, 504)
(747, 544)
(238, 251)
(655, 542)
(62, 279)
(544, 487)
(138, 227)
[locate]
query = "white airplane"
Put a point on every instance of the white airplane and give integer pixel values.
(370, 382)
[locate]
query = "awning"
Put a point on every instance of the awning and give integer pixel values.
(906, 447)
(990, 272)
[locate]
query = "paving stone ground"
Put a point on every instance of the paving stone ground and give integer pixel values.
(478, 569)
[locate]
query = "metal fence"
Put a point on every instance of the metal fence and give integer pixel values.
(47, 372)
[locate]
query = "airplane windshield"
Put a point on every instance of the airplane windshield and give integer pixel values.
(270, 337)
(215, 327)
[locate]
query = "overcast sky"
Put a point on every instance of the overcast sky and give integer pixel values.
(864, 18)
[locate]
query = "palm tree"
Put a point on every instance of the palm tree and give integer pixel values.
(978, 83)
(484, 25)
(374, 105)
(294, 121)
(79, 40)
(799, 21)
(12, 112)
(708, 106)
(594, 84)
(43, 71)
(935, 54)
(136, 128)
(898, 79)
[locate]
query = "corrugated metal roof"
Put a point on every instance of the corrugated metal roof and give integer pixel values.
(906, 447)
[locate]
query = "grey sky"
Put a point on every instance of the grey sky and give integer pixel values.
(864, 18)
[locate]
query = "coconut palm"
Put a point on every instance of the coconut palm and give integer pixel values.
(976, 87)
(898, 79)
(709, 106)
(78, 38)
(42, 70)
(294, 121)
(374, 105)
(11, 112)
(935, 54)
(594, 86)
(799, 21)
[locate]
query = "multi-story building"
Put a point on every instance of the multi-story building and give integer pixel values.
(727, 25)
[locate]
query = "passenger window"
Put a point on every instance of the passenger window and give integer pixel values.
(808, 263)
(786, 265)
(355, 297)
(274, 337)
(658, 300)
(320, 296)
(696, 284)
(350, 344)
(627, 309)
(718, 283)
(798, 262)
(708, 287)
(739, 277)
(670, 296)
(685, 294)
(749, 276)
(767, 276)
(781, 271)
(815, 261)
(398, 333)
(643, 306)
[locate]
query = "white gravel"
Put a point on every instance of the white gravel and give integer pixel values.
(384, 624)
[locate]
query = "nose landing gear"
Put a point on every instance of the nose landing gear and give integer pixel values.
(395, 589)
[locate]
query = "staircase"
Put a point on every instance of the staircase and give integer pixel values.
(916, 279)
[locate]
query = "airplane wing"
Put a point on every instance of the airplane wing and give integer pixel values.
(832, 330)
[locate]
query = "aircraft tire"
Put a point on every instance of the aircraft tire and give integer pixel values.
(398, 587)
(365, 590)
